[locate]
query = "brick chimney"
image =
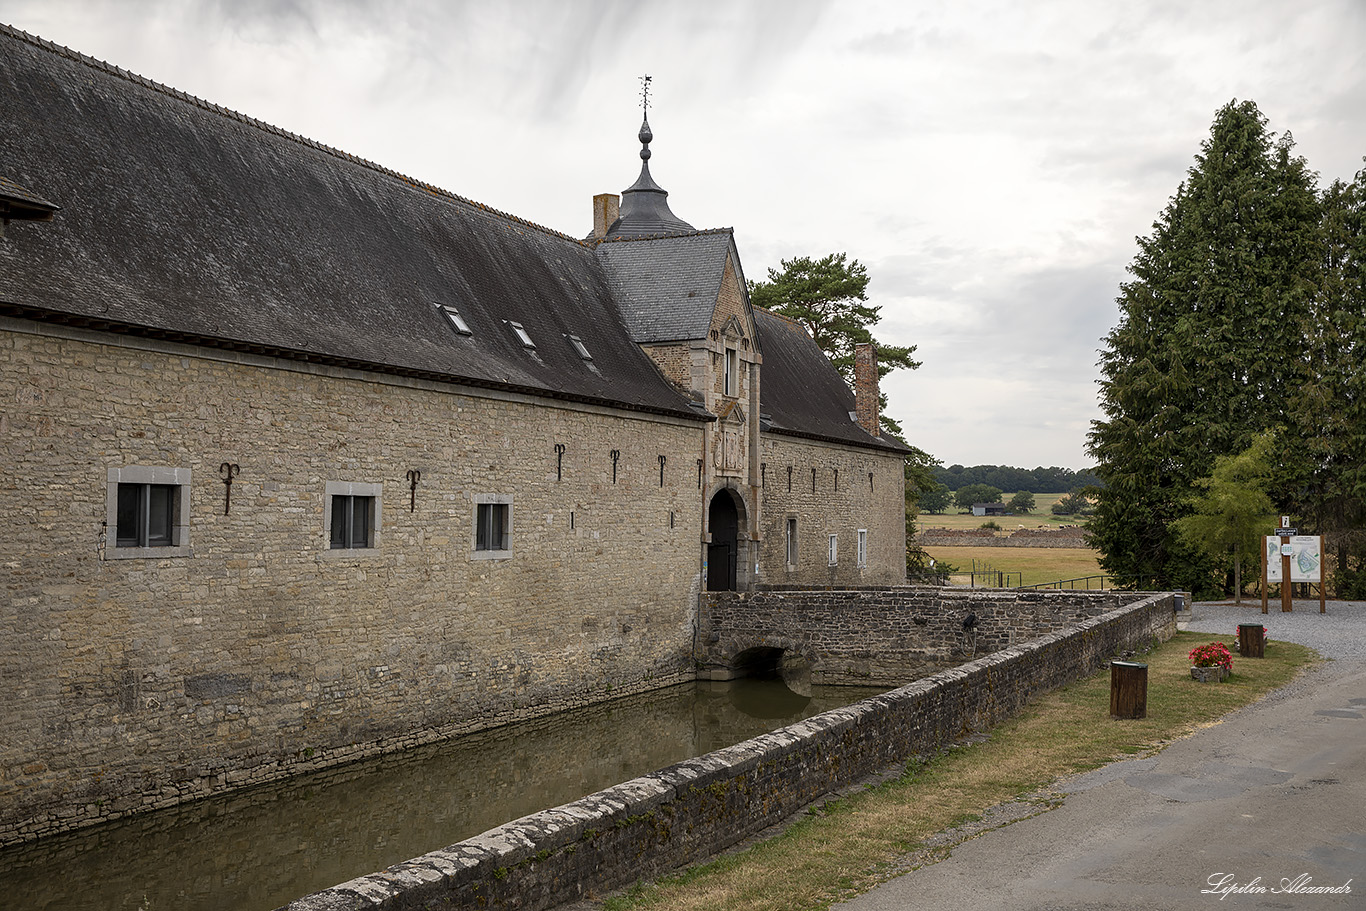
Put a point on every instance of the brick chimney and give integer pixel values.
(606, 208)
(865, 387)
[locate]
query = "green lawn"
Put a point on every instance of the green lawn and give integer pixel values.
(1036, 564)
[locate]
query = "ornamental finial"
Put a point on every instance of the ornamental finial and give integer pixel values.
(645, 135)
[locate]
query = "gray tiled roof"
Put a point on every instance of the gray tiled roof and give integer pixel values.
(12, 193)
(801, 392)
(191, 222)
(666, 287)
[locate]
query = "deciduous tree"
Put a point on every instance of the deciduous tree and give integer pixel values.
(937, 499)
(1232, 512)
(977, 493)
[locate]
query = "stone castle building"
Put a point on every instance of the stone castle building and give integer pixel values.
(305, 460)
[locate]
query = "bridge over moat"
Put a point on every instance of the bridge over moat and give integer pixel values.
(886, 636)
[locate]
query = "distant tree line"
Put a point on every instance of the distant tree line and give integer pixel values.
(1004, 477)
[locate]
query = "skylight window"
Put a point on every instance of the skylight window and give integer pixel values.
(455, 319)
(580, 347)
(522, 334)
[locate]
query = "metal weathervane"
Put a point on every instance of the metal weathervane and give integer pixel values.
(645, 94)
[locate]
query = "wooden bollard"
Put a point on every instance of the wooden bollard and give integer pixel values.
(1128, 690)
(1251, 640)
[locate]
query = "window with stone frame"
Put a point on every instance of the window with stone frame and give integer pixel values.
(352, 515)
(147, 512)
(492, 527)
(862, 555)
(834, 550)
(791, 541)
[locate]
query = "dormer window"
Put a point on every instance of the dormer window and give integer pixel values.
(522, 334)
(18, 204)
(580, 347)
(455, 319)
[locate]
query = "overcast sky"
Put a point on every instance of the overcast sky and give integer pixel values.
(990, 163)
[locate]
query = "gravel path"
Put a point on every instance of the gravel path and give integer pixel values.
(1338, 634)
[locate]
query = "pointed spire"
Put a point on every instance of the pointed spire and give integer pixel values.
(645, 204)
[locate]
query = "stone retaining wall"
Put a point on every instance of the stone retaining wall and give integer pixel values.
(693, 809)
(983, 537)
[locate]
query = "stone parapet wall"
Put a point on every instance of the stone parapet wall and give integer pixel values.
(887, 635)
(691, 810)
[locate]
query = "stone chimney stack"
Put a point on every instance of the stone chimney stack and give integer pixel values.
(606, 208)
(865, 387)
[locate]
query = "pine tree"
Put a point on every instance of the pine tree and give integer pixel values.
(1208, 343)
(829, 296)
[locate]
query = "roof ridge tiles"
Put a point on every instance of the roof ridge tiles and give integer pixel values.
(664, 235)
(110, 69)
(781, 316)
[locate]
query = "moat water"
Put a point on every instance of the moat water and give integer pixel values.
(261, 848)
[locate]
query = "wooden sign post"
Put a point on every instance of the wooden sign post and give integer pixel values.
(1300, 559)
(1287, 587)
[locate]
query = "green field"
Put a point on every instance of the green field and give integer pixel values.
(1041, 517)
(1036, 564)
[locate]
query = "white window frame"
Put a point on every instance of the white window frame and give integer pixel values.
(455, 319)
(834, 550)
(144, 475)
(792, 553)
(492, 499)
(730, 383)
(522, 335)
(579, 346)
(352, 489)
(863, 547)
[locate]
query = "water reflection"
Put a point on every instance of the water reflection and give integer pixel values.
(258, 849)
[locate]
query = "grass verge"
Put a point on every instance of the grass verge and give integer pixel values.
(849, 845)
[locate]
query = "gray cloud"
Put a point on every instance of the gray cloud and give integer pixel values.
(990, 163)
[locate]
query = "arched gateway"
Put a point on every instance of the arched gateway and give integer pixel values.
(723, 521)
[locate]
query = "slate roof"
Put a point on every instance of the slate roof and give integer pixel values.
(801, 393)
(20, 204)
(660, 281)
(187, 221)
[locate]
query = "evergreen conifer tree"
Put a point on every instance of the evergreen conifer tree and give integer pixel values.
(1325, 464)
(1208, 343)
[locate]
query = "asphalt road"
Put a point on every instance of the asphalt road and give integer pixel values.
(1271, 801)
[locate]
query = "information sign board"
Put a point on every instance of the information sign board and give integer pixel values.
(1306, 558)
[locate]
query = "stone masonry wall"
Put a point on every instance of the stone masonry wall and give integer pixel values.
(838, 500)
(139, 683)
(885, 636)
(693, 809)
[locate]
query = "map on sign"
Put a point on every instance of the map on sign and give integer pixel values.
(1306, 558)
